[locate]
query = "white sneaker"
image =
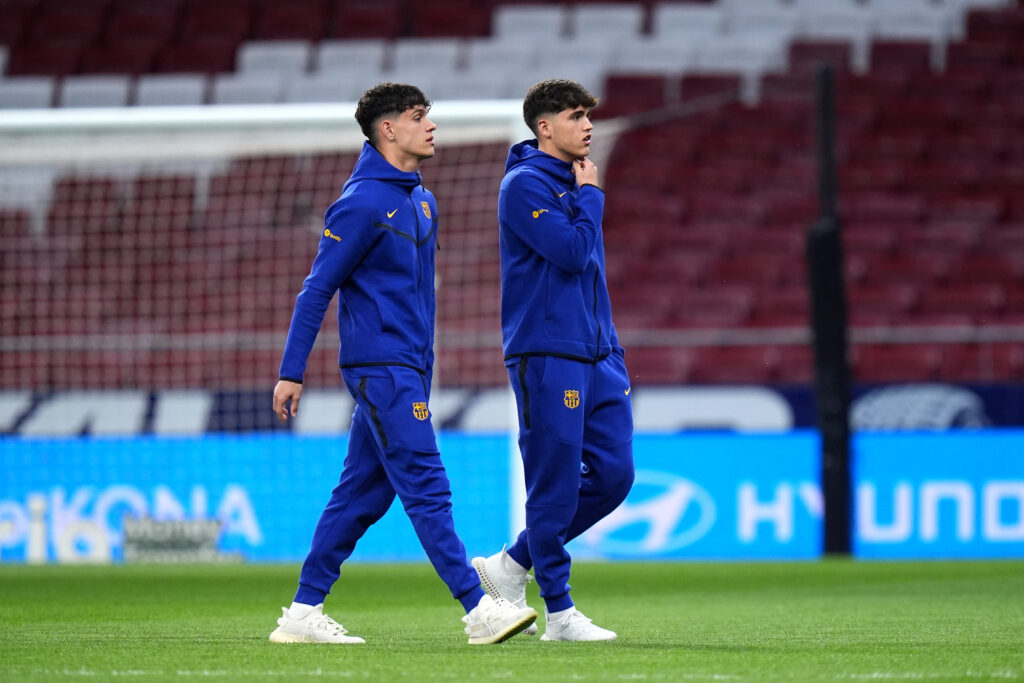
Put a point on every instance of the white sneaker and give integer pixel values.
(502, 577)
(494, 621)
(315, 627)
(572, 625)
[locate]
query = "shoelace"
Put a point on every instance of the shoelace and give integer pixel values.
(575, 617)
(521, 588)
(325, 623)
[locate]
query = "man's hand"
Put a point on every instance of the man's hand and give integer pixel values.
(284, 392)
(586, 172)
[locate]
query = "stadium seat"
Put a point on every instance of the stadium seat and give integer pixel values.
(131, 58)
(363, 19)
(909, 268)
(305, 20)
(796, 364)
(206, 55)
(440, 54)
(880, 302)
(978, 363)
(806, 55)
(14, 223)
(66, 24)
(714, 307)
(896, 363)
(650, 56)
(250, 88)
(349, 56)
(750, 269)
(228, 22)
(735, 365)
(606, 23)
(654, 365)
(902, 58)
(327, 86)
(282, 57)
(14, 22)
(52, 59)
(450, 18)
(686, 23)
(632, 94)
(473, 85)
(845, 20)
(783, 306)
(912, 20)
(982, 300)
(27, 92)
(535, 24)
(170, 90)
(696, 85)
(150, 24)
(760, 19)
(94, 91)
(575, 54)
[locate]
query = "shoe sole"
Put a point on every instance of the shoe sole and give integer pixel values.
(480, 565)
(508, 632)
(545, 638)
(279, 636)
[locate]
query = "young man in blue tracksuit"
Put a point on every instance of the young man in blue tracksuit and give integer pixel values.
(562, 353)
(377, 253)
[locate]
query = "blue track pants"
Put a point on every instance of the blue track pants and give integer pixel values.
(391, 450)
(576, 441)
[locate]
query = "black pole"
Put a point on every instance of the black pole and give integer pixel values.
(828, 321)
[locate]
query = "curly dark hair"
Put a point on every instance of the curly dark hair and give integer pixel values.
(383, 99)
(553, 96)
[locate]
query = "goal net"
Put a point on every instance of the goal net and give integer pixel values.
(162, 248)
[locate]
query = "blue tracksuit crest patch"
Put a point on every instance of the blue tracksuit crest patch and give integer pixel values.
(554, 295)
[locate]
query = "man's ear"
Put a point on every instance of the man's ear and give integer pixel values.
(543, 128)
(386, 130)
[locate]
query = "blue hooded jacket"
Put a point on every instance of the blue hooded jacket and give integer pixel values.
(554, 297)
(377, 252)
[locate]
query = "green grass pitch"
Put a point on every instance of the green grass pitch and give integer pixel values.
(828, 620)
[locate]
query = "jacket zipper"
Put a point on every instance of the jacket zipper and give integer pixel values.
(419, 274)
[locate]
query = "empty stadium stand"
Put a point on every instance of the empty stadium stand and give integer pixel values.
(705, 215)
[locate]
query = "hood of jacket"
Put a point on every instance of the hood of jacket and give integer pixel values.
(525, 153)
(372, 165)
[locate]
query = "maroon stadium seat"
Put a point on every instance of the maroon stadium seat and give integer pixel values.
(896, 362)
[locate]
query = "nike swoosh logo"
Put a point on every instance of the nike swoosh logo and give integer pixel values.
(627, 390)
(562, 193)
(392, 213)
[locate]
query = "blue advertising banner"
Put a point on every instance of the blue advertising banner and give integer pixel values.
(697, 496)
(951, 495)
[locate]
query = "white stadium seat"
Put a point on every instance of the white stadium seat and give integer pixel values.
(276, 56)
(612, 21)
(353, 56)
(529, 23)
(473, 84)
(650, 56)
(843, 21)
(247, 89)
(95, 91)
(565, 53)
(486, 53)
(685, 21)
(161, 90)
(26, 92)
(328, 86)
(767, 17)
(442, 54)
